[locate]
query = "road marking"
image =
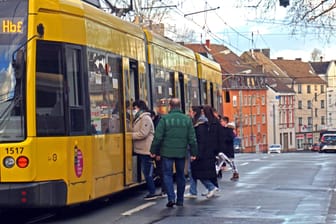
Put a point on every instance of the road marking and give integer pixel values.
(243, 164)
(139, 208)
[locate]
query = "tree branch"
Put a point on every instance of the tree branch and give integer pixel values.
(333, 6)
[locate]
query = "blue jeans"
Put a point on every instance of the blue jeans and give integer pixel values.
(167, 169)
(208, 184)
(147, 167)
(192, 181)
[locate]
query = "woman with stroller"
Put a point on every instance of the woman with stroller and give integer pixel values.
(204, 167)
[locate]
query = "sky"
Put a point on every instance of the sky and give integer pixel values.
(240, 29)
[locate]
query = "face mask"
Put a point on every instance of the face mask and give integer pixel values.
(134, 112)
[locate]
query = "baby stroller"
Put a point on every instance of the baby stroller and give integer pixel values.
(221, 158)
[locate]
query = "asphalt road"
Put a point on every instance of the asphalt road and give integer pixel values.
(283, 188)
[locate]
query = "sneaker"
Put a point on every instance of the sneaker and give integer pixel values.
(211, 193)
(190, 195)
(170, 204)
(151, 197)
(235, 176)
(205, 193)
(163, 194)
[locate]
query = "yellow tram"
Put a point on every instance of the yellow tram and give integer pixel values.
(69, 73)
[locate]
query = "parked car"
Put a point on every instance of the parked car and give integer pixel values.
(315, 147)
(328, 143)
(275, 148)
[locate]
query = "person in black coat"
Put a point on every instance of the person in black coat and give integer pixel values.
(204, 167)
(228, 136)
(158, 165)
(215, 142)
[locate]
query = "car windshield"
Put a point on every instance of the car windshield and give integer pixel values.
(330, 138)
(275, 146)
(12, 35)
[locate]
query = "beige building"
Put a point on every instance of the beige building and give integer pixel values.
(311, 104)
(327, 71)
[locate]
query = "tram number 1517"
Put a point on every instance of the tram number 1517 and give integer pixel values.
(14, 150)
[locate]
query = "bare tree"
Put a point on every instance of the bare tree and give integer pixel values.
(150, 14)
(146, 11)
(302, 15)
(184, 34)
(316, 54)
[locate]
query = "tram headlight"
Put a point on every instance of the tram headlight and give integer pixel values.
(9, 162)
(22, 161)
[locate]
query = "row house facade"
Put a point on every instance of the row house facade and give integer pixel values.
(280, 99)
(310, 92)
(327, 71)
(273, 100)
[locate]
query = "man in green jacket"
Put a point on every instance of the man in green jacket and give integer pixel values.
(173, 135)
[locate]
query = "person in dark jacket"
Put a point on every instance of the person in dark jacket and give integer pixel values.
(215, 141)
(158, 164)
(173, 134)
(228, 149)
(204, 167)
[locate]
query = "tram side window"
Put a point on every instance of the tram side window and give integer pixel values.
(75, 87)
(204, 92)
(114, 94)
(193, 91)
(163, 89)
(104, 82)
(49, 90)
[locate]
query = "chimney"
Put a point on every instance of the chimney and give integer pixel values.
(280, 58)
(207, 43)
(266, 52)
(137, 20)
(298, 59)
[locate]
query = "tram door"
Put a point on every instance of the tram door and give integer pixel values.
(204, 92)
(179, 88)
(208, 93)
(131, 93)
(211, 95)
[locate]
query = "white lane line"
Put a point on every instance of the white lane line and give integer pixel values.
(243, 164)
(139, 208)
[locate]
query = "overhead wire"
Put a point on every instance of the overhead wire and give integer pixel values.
(213, 35)
(205, 28)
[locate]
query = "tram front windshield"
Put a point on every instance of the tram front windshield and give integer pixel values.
(13, 34)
